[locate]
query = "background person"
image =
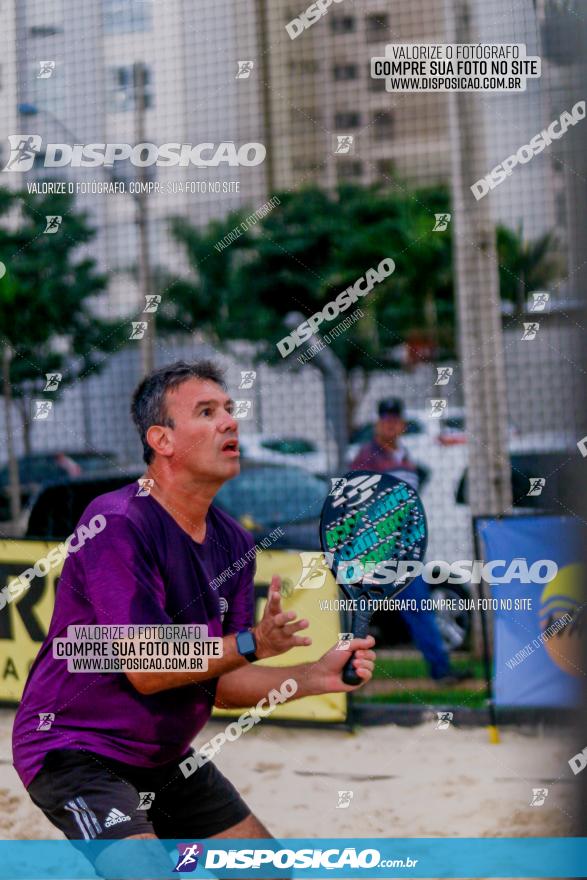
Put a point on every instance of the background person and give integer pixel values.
(386, 454)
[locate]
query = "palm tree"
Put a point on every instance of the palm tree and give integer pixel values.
(526, 266)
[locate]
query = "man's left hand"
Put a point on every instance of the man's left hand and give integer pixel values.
(326, 672)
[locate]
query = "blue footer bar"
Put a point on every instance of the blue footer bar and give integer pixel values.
(300, 857)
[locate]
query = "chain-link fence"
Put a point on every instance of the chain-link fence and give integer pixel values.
(135, 71)
(388, 267)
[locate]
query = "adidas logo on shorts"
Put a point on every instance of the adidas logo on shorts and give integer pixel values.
(114, 817)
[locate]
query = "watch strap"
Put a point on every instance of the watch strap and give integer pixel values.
(246, 645)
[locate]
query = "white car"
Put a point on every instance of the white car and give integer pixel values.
(284, 450)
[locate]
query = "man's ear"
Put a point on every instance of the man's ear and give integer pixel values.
(160, 440)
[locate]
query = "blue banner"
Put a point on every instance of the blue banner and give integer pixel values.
(311, 858)
(536, 599)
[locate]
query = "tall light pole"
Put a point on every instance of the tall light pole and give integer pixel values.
(479, 313)
(142, 218)
(477, 293)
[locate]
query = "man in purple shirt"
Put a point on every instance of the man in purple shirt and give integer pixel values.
(107, 755)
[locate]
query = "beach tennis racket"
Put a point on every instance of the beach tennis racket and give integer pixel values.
(369, 522)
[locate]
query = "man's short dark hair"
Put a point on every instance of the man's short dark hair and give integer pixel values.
(149, 405)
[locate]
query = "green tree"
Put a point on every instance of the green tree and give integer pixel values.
(317, 243)
(306, 251)
(526, 266)
(46, 316)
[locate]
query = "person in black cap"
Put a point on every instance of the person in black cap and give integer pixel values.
(385, 454)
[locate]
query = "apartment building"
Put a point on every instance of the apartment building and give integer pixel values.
(321, 86)
(131, 71)
(222, 70)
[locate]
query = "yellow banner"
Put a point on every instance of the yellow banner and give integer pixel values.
(324, 629)
(24, 620)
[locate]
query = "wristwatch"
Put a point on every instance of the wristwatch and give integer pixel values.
(246, 645)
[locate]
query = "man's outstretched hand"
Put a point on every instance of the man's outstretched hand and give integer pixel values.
(276, 631)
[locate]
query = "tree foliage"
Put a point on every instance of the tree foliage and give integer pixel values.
(305, 252)
(526, 266)
(317, 243)
(46, 294)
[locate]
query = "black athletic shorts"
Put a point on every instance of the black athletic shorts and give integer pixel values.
(89, 797)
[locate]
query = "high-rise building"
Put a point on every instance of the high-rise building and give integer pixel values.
(125, 71)
(320, 88)
(8, 78)
(132, 71)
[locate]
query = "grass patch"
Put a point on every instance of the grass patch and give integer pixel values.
(462, 698)
(415, 667)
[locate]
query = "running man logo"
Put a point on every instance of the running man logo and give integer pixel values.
(42, 410)
(314, 571)
(146, 799)
(537, 484)
(444, 374)
(46, 69)
(145, 486)
(53, 223)
(242, 409)
(539, 795)
(437, 407)
(138, 329)
(356, 490)
(344, 641)
(337, 484)
(46, 720)
(441, 222)
(187, 860)
(247, 379)
(444, 720)
(245, 69)
(23, 151)
(344, 144)
(539, 301)
(53, 380)
(344, 800)
(530, 330)
(152, 303)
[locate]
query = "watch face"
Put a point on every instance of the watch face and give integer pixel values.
(246, 643)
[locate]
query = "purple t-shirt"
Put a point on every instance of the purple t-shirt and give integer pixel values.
(142, 568)
(373, 457)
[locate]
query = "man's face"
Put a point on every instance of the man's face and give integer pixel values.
(389, 428)
(204, 438)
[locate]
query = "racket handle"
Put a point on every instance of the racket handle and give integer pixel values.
(349, 673)
(360, 631)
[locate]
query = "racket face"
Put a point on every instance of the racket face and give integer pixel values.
(370, 524)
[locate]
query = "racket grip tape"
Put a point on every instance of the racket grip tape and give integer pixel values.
(361, 621)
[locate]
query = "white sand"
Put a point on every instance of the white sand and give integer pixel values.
(406, 782)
